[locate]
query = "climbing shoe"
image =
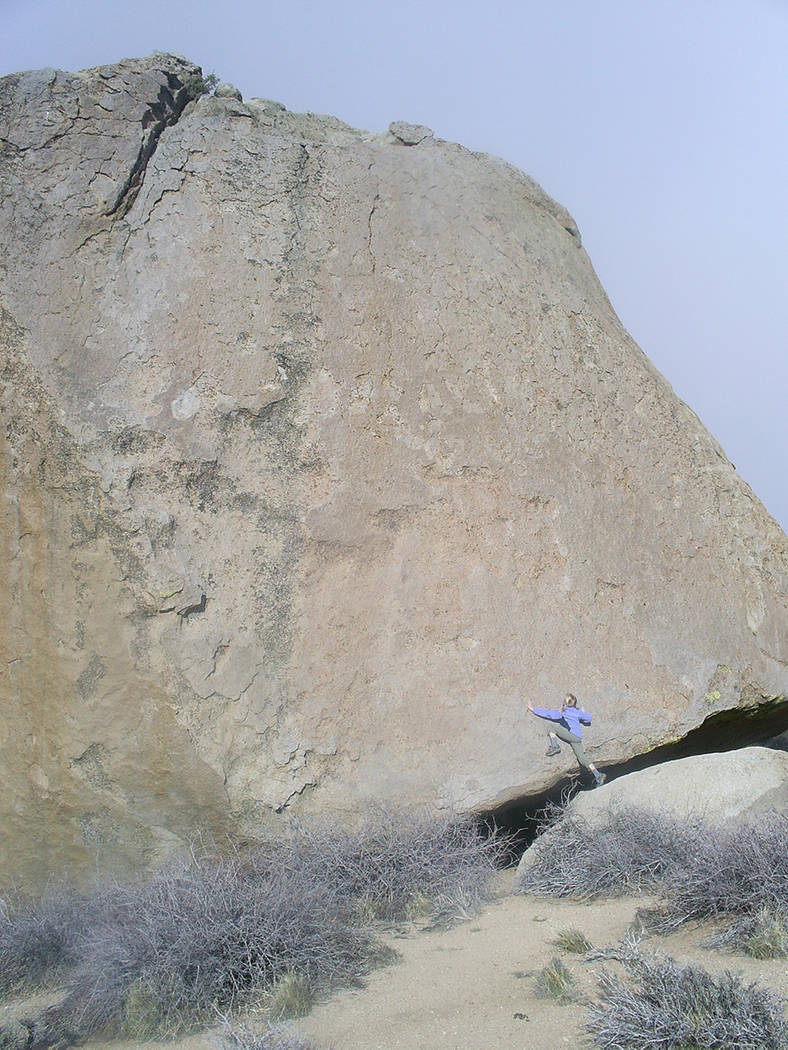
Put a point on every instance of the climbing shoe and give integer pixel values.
(600, 778)
(553, 749)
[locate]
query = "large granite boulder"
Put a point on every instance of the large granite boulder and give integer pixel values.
(323, 452)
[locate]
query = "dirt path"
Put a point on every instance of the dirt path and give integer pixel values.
(471, 987)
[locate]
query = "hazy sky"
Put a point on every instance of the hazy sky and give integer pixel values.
(660, 124)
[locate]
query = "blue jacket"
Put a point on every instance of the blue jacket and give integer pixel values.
(570, 717)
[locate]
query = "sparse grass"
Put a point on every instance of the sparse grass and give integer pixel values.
(769, 940)
(419, 907)
(291, 996)
(573, 940)
(769, 936)
(142, 1018)
(764, 935)
(555, 981)
(288, 917)
(662, 1005)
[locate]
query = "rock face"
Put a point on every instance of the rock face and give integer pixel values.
(737, 787)
(322, 452)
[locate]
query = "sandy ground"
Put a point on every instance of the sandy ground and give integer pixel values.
(471, 987)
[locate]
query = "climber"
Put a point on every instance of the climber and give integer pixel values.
(567, 728)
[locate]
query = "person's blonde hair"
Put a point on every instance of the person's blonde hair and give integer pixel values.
(570, 700)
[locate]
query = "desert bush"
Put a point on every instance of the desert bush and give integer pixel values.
(275, 1037)
(555, 981)
(162, 954)
(734, 872)
(178, 944)
(631, 852)
(14, 1036)
(762, 934)
(662, 1005)
(39, 937)
(395, 864)
(700, 872)
(573, 940)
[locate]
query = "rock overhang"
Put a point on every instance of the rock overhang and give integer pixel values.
(759, 726)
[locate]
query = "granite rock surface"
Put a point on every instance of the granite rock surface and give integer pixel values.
(323, 452)
(721, 790)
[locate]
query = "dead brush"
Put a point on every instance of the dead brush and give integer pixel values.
(212, 933)
(661, 1005)
(630, 853)
(700, 872)
(275, 1037)
(40, 937)
(187, 940)
(729, 873)
(397, 863)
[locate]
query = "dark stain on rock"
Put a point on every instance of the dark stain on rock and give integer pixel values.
(87, 682)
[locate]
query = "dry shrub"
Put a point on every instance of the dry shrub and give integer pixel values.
(39, 938)
(631, 852)
(163, 954)
(737, 872)
(700, 872)
(397, 864)
(275, 1037)
(662, 1005)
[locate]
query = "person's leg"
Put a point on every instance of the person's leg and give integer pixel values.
(559, 732)
(556, 733)
(577, 746)
(600, 778)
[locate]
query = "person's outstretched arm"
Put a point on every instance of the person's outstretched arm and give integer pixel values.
(543, 712)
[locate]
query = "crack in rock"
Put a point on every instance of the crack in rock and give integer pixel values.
(369, 233)
(163, 113)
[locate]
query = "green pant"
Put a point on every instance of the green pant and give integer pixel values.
(574, 742)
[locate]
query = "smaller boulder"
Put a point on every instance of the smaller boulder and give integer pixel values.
(225, 90)
(734, 787)
(410, 134)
